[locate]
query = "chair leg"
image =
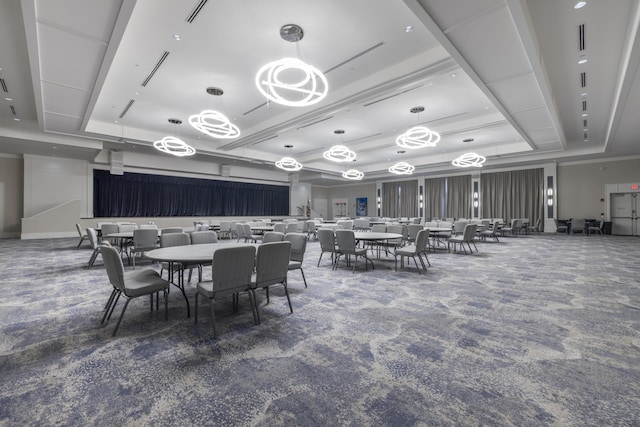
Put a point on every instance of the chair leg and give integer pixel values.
(113, 306)
(166, 304)
(303, 278)
(195, 315)
(320, 259)
(255, 305)
(120, 318)
(107, 307)
(286, 292)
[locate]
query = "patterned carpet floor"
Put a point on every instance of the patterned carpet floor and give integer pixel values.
(538, 330)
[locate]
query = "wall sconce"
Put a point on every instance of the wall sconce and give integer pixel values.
(550, 195)
(476, 199)
(550, 202)
(549, 192)
(379, 200)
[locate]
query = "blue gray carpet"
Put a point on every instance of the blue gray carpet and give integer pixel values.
(532, 331)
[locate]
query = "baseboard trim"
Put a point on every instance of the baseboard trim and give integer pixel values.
(14, 235)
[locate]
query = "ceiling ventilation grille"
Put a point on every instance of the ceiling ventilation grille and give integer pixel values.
(13, 110)
(581, 37)
(584, 105)
(196, 10)
(4, 86)
(584, 123)
(155, 68)
(392, 96)
(264, 140)
(314, 123)
(583, 79)
(126, 109)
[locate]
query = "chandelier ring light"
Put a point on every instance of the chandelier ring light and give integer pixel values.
(214, 123)
(402, 168)
(289, 164)
(418, 137)
(174, 146)
(290, 81)
(469, 160)
(339, 153)
(353, 174)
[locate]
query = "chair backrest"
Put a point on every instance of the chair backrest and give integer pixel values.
(174, 239)
(379, 228)
(422, 239)
(225, 226)
(79, 230)
(247, 230)
(93, 237)
(445, 224)
(127, 227)
(577, 224)
(280, 227)
(145, 238)
(469, 232)
(298, 245)
(240, 230)
(114, 266)
(292, 227)
(346, 241)
(272, 263)
(327, 239)
(272, 236)
(201, 227)
(107, 229)
(459, 226)
(232, 267)
(398, 229)
(361, 224)
(413, 230)
(169, 230)
(200, 237)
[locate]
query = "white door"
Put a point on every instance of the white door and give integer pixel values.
(624, 216)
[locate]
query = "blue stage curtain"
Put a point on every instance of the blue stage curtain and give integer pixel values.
(144, 195)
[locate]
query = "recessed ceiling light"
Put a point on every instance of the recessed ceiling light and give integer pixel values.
(580, 5)
(16, 119)
(408, 29)
(585, 115)
(585, 130)
(176, 37)
(583, 94)
(115, 121)
(582, 61)
(586, 140)
(138, 92)
(8, 99)
(453, 75)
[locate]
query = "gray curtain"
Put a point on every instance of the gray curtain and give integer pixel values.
(515, 194)
(400, 199)
(434, 190)
(459, 197)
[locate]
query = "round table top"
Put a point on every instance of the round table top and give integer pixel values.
(374, 235)
(124, 234)
(439, 229)
(191, 253)
(262, 227)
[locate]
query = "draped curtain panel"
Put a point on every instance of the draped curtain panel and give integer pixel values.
(514, 194)
(142, 195)
(459, 197)
(434, 197)
(400, 199)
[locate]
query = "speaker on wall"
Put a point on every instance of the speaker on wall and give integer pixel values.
(117, 163)
(225, 170)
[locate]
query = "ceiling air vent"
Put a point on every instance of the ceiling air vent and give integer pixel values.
(584, 123)
(131, 101)
(584, 105)
(314, 123)
(581, 37)
(196, 10)
(356, 56)
(583, 79)
(13, 110)
(155, 68)
(4, 86)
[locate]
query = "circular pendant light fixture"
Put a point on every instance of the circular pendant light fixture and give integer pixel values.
(353, 174)
(290, 81)
(214, 123)
(402, 168)
(469, 160)
(174, 146)
(339, 153)
(289, 164)
(418, 136)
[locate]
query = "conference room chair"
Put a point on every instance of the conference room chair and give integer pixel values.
(298, 248)
(412, 232)
(110, 228)
(92, 235)
(272, 236)
(591, 229)
(250, 237)
(240, 232)
(144, 240)
(458, 227)
(310, 229)
(230, 275)
(467, 237)
(272, 266)
(418, 249)
(361, 224)
(130, 284)
(280, 227)
(327, 244)
(561, 227)
(174, 239)
(535, 228)
(393, 244)
(225, 231)
(291, 227)
(577, 226)
(346, 245)
(203, 237)
(82, 235)
(492, 232)
(514, 229)
(172, 230)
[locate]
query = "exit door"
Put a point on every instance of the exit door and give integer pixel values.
(624, 214)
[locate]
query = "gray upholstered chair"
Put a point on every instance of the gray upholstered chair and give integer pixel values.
(171, 230)
(93, 239)
(240, 232)
(230, 275)
(492, 232)
(346, 242)
(412, 232)
(203, 237)
(298, 248)
(249, 236)
(109, 228)
(561, 227)
(272, 265)
(327, 244)
(272, 236)
(280, 227)
(82, 236)
(292, 227)
(130, 284)
(144, 240)
(418, 249)
(577, 225)
(593, 228)
(467, 237)
(174, 239)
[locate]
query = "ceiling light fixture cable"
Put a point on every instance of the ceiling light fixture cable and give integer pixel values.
(274, 80)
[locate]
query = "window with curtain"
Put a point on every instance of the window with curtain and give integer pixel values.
(141, 195)
(400, 199)
(514, 194)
